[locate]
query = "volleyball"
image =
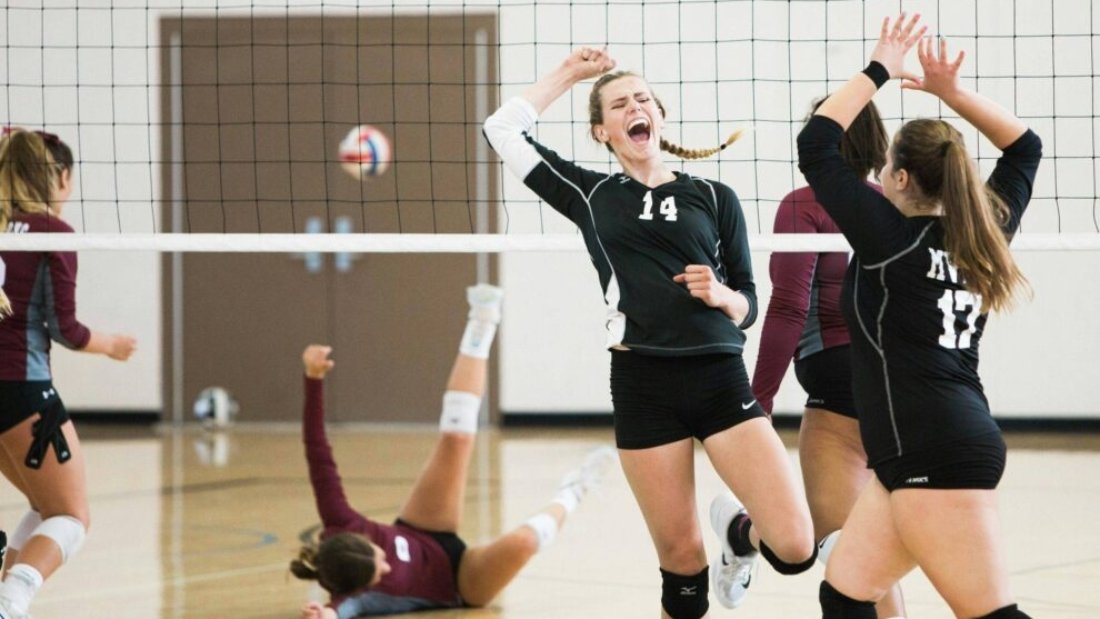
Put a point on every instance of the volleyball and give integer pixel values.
(215, 408)
(365, 152)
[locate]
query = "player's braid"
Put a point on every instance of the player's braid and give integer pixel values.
(305, 566)
(698, 153)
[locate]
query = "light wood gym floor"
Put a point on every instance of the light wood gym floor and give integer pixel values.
(189, 524)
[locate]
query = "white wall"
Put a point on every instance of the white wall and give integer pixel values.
(102, 98)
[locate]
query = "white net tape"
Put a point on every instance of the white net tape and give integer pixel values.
(439, 243)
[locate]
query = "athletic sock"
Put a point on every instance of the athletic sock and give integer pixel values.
(738, 535)
(477, 340)
(545, 528)
(20, 586)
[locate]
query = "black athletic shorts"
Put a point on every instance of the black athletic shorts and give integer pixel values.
(827, 378)
(975, 463)
(661, 400)
(19, 399)
(452, 544)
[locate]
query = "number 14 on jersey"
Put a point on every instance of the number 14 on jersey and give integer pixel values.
(667, 208)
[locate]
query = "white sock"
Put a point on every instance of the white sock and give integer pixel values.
(20, 586)
(825, 546)
(545, 528)
(569, 497)
(477, 340)
(461, 411)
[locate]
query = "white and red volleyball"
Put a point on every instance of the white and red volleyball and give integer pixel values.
(365, 152)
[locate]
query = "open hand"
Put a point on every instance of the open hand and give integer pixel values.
(941, 74)
(894, 43)
(315, 610)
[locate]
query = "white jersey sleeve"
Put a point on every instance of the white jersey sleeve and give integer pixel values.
(505, 131)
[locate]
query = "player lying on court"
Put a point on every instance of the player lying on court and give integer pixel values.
(418, 562)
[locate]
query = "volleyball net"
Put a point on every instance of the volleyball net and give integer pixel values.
(200, 126)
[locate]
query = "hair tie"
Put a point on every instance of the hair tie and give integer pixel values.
(945, 146)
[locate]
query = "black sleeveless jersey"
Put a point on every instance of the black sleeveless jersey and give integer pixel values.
(915, 328)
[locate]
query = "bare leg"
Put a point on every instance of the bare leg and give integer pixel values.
(752, 461)
(486, 570)
(9, 469)
(57, 489)
(834, 469)
(955, 537)
(663, 482)
(870, 557)
(437, 498)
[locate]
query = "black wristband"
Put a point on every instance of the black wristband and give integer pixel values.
(878, 73)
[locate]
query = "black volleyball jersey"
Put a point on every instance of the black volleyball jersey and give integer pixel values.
(639, 238)
(915, 328)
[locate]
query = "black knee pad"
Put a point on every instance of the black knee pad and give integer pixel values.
(836, 605)
(685, 597)
(783, 567)
(1008, 612)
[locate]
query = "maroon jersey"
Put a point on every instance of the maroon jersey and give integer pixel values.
(42, 290)
(803, 315)
(421, 575)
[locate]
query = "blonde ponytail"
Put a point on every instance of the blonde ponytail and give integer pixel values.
(28, 175)
(699, 153)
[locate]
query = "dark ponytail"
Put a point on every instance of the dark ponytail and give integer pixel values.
(341, 564)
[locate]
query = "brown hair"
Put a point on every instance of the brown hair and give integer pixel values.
(31, 166)
(341, 564)
(933, 152)
(595, 117)
(864, 144)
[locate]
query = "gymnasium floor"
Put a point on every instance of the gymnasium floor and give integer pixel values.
(188, 524)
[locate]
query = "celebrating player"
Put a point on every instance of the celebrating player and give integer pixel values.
(931, 259)
(672, 256)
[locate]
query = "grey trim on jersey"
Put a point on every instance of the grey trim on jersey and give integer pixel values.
(876, 343)
(810, 341)
(723, 277)
(505, 131)
(38, 342)
(374, 603)
(616, 319)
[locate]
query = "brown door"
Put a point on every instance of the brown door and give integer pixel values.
(251, 134)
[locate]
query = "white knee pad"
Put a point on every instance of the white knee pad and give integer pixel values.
(24, 530)
(67, 532)
(460, 412)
